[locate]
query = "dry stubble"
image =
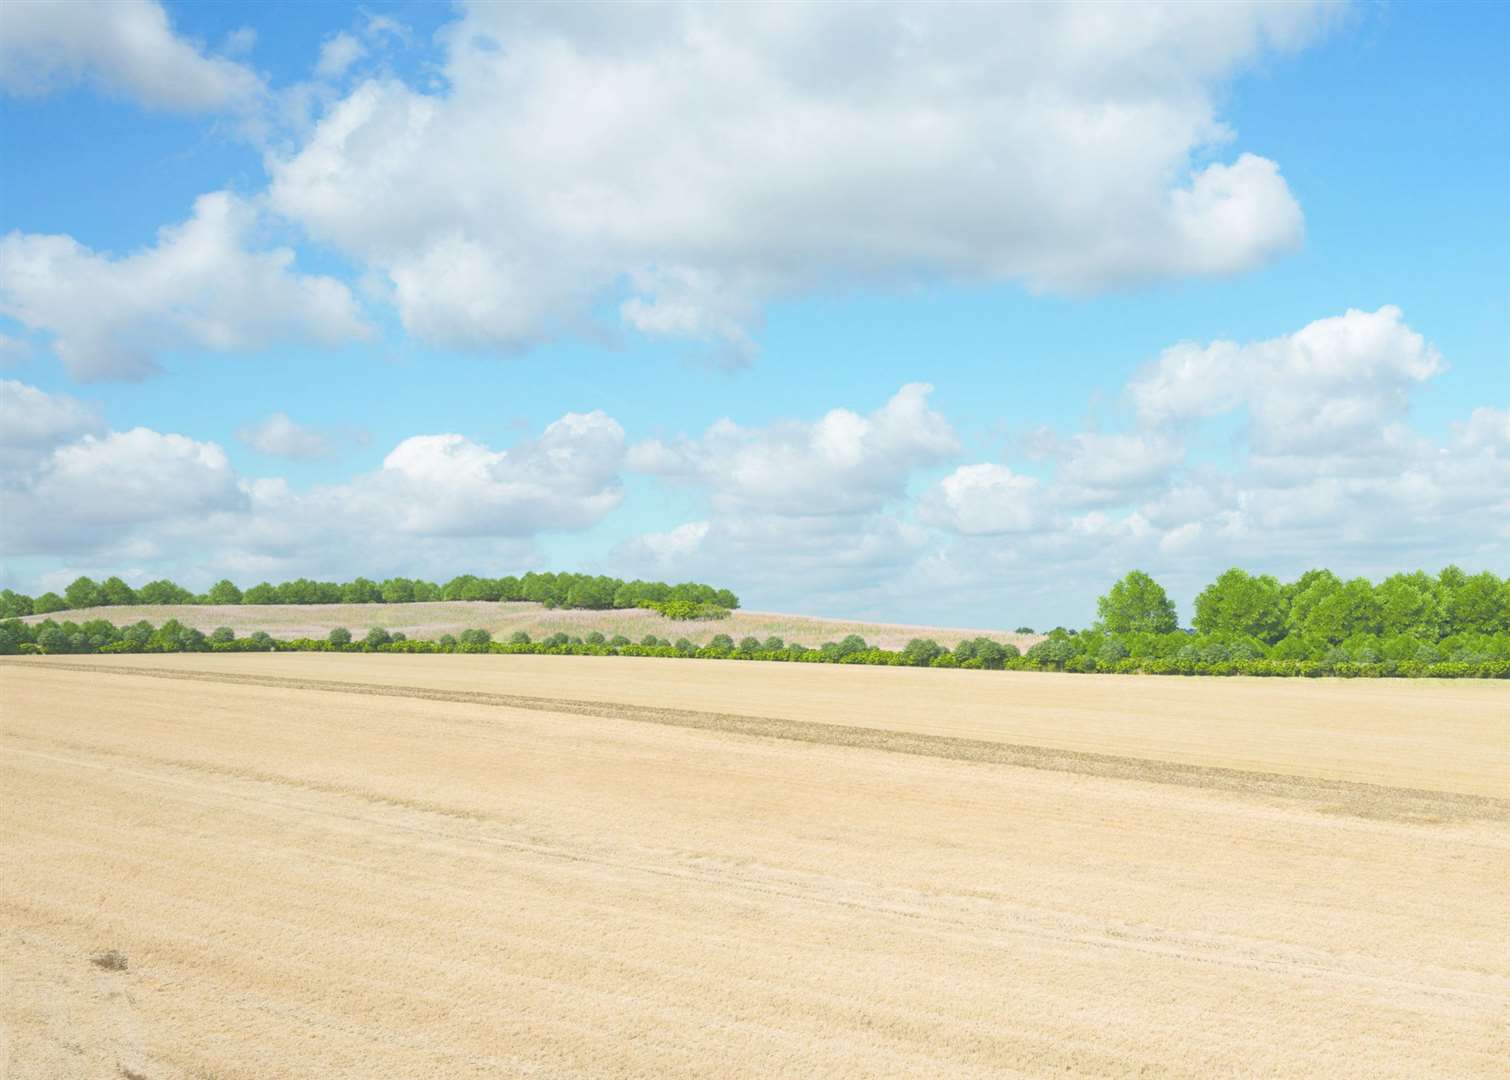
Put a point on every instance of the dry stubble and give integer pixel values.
(311, 879)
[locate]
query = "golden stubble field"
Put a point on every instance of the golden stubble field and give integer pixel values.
(453, 866)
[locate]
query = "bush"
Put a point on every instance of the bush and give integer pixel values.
(342, 636)
(447, 641)
(222, 635)
(476, 637)
(375, 637)
(618, 641)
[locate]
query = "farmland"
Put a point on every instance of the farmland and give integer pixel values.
(432, 619)
(359, 865)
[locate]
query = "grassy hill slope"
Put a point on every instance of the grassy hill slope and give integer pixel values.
(430, 620)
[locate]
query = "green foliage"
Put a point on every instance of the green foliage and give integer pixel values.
(223, 592)
(687, 609)
(339, 636)
(1237, 604)
(1136, 604)
(116, 593)
(84, 592)
(1469, 655)
(49, 602)
(13, 605)
(921, 652)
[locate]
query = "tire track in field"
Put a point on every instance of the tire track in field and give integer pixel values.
(1339, 796)
(1051, 927)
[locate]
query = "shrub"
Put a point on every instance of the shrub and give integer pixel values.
(223, 635)
(448, 641)
(375, 637)
(342, 636)
(618, 641)
(476, 636)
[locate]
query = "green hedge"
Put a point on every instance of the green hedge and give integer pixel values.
(99, 637)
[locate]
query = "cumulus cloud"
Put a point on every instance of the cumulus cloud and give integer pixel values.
(816, 515)
(1336, 383)
(437, 501)
(86, 492)
(30, 417)
(842, 463)
(279, 436)
(199, 286)
(696, 161)
(984, 500)
(125, 46)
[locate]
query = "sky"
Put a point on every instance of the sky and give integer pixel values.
(948, 314)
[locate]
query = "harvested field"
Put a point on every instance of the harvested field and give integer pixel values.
(353, 866)
(431, 620)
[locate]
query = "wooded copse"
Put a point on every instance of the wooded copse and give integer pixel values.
(687, 600)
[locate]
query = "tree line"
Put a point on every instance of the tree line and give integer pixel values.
(687, 600)
(1317, 619)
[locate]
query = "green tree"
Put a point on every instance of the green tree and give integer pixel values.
(117, 593)
(1304, 593)
(1348, 609)
(14, 605)
(1408, 605)
(339, 636)
(261, 593)
(1240, 605)
(1136, 604)
(475, 636)
(361, 591)
(84, 592)
(163, 591)
(223, 635)
(224, 591)
(377, 636)
(398, 591)
(921, 652)
(1476, 605)
(48, 602)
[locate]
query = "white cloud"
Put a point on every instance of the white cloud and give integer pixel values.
(989, 545)
(1103, 469)
(708, 158)
(126, 46)
(34, 418)
(842, 463)
(279, 436)
(447, 485)
(198, 287)
(985, 500)
(438, 503)
(85, 493)
(1338, 382)
(337, 54)
(1486, 430)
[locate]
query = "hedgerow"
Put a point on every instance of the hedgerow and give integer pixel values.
(100, 637)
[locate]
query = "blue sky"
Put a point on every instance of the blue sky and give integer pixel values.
(324, 289)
